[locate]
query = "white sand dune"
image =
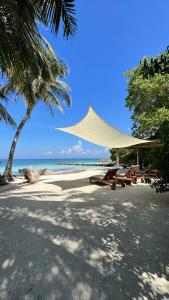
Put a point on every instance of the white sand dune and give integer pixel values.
(63, 238)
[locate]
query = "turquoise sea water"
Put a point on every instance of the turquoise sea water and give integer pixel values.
(50, 164)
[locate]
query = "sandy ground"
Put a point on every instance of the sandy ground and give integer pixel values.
(66, 239)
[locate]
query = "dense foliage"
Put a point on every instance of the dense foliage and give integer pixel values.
(155, 65)
(148, 100)
(23, 49)
(161, 160)
(127, 156)
(20, 39)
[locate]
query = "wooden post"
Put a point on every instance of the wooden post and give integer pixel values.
(137, 157)
(117, 158)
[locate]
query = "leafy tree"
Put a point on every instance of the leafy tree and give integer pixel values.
(148, 100)
(150, 66)
(161, 160)
(51, 91)
(127, 156)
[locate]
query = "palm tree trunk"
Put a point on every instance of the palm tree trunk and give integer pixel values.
(8, 169)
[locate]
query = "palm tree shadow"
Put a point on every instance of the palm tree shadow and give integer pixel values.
(104, 247)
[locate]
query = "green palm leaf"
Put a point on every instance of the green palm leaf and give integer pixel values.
(6, 117)
(21, 43)
(51, 89)
(51, 11)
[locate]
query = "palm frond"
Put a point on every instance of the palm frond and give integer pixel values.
(6, 117)
(46, 87)
(50, 13)
(18, 34)
(52, 101)
(21, 43)
(60, 83)
(53, 65)
(5, 90)
(61, 90)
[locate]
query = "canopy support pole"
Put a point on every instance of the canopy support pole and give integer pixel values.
(137, 156)
(117, 158)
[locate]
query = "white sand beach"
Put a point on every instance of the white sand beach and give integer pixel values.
(65, 239)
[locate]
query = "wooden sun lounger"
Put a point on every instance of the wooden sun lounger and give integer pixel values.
(143, 175)
(129, 175)
(108, 176)
(146, 175)
(108, 179)
(112, 183)
(115, 176)
(150, 173)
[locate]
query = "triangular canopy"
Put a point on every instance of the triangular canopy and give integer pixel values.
(95, 130)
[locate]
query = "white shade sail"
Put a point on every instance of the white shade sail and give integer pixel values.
(95, 130)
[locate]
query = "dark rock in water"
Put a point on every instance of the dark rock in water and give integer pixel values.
(3, 180)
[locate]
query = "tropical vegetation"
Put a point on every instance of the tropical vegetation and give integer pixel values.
(20, 40)
(52, 91)
(127, 156)
(27, 62)
(148, 100)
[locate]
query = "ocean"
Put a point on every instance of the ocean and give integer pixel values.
(50, 164)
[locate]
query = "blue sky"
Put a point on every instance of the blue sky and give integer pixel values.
(112, 37)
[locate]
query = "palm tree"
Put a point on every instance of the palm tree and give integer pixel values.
(19, 36)
(33, 90)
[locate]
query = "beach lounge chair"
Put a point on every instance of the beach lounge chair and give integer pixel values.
(117, 176)
(104, 180)
(108, 179)
(128, 175)
(150, 172)
(147, 174)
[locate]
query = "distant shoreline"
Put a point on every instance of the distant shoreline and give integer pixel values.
(49, 172)
(59, 172)
(85, 164)
(56, 166)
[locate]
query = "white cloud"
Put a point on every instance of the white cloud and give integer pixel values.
(78, 149)
(48, 153)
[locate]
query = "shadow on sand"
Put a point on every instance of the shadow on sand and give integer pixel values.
(97, 245)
